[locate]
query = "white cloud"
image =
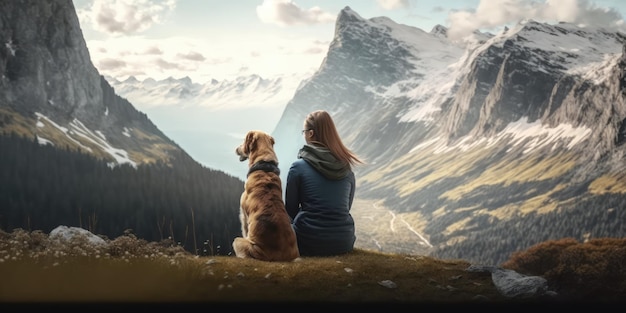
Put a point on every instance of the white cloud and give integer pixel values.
(287, 13)
(117, 17)
(192, 55)
(393, 4)
(203, 60)
(495, 14)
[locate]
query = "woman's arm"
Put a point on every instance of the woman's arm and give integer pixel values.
(292, 202)
(352, 189)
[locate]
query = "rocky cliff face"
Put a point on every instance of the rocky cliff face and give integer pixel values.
(365, 64)
(477, 142)
(50, 89)
(45, 63)
(536, 72)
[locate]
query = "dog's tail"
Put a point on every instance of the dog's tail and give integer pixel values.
(245, 248)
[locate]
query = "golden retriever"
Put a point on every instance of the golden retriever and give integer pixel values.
(265, 225)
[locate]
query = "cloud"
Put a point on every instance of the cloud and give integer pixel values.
(287, 13)
(163, 64)
(495, 14)
(316, 47)
(216, 61)
(111, 64)
(153, 50)
(244, 70)
(143, 56)
(438, 9)
(193, 56)
(315, 50)
(117, 17)
(393, 4)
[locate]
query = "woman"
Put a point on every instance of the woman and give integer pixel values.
(320, 189)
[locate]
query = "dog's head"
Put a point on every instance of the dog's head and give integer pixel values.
(257, 143)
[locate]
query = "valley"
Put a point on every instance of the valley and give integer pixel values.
(380, 229)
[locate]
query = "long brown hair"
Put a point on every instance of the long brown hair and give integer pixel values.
(325, 134)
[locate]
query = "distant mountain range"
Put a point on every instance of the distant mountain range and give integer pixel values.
(209, 120)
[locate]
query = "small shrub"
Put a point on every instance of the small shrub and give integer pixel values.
(595, 269)
(540, 258)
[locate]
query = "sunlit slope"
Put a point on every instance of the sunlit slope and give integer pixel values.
(133, 145)
(495, 197)
(609, 183)
(454, 192)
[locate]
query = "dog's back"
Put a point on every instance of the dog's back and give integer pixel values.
(266, 226)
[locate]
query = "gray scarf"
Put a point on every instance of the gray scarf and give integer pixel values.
(324, 161)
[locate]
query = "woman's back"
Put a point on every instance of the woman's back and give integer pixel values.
(320, 209)
(320, 189)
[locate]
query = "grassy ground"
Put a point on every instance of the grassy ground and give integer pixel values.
(361, 276)
(38, 270)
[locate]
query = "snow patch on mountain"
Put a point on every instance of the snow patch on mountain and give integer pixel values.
(96, 137)
(543, 136)
(517, 134)
(598, 72)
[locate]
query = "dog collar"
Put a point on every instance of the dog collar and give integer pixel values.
(268, 166)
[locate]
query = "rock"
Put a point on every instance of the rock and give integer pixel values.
(68, 233)
(515, 285)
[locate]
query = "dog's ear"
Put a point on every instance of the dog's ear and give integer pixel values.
(250, 142)
(272, 140)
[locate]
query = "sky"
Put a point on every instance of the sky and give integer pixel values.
(225, 39)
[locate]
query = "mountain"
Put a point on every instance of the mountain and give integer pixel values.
(75, 152)
(51, 90)
(481, 147)
(210, 119)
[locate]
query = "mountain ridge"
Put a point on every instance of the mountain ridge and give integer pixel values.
(504, 131)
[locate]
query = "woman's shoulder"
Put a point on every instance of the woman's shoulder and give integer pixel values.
(298, 164)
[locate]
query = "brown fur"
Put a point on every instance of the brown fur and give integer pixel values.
(265, 225)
